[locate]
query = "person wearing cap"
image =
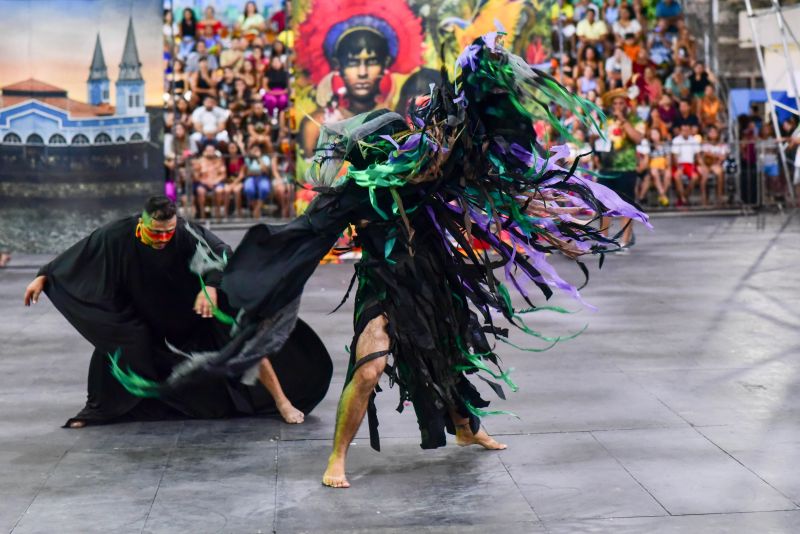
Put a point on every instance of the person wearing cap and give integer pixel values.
(618, 168)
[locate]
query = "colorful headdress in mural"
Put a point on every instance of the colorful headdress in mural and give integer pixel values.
(329, 22)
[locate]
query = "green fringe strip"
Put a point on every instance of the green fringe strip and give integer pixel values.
(135, 384)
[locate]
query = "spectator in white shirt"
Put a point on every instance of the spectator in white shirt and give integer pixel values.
(685, 148)
(209, 123)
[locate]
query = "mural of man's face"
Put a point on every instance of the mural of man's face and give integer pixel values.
(361, 58)
(362, 73)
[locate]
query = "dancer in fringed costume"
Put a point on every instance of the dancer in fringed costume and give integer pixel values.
(463, 165)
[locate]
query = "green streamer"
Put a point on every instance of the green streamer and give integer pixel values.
(135, 384)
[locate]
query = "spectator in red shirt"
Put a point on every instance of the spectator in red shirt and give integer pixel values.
(210, 20)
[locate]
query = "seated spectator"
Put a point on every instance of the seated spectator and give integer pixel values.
(251, 22)
(259, 172)
(234, 56)
(259, 61)
(209, 122)
(614, 79)
(200, 52)
(279, 51)
(242, 96)
(209, 177)
(684, 48)
(581, 7)
(709, 107)
(210, 21)
(670, 11)
(562, 20)
(658, 168)
(587, 82)
(226, 87)
(590, 58)
(626, 25)
(663, 116)
(234, 183)
(258, 127)
(212, 40)
(188, 25)
(713, 153)
(631, 46)
(276, 85)
(202, 82)
(170, 30)
(611, 12)
(176, 81)
(590, 31)
(184, 113)
(621, 62)
(641, 63)
(678, 84)
(176, 153)
(685, 118)
(685, 148)
(659, 45)
(249, 74)
(699, 80)
(653, 88)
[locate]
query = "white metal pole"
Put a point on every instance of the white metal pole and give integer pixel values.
(773, 113)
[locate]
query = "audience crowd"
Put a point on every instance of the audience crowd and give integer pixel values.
(228, 118)
(643, 54)
(227, 94)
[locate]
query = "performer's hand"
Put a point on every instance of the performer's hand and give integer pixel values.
(201, 304)
(34, 289)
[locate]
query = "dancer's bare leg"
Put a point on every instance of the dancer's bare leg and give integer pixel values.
(354, 400)
(465, 437)
(267, 376)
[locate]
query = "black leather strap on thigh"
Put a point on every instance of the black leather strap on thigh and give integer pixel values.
(372, 410)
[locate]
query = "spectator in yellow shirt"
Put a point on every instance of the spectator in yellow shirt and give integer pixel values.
(591, 31)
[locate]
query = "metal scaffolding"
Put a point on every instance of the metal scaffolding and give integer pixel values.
(786, 35)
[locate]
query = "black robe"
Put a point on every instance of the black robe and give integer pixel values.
(121, 294)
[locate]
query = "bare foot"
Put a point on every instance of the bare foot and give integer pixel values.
(4, 259)
(290, 414)
(465, 437)
(334, 475)
(77, 424)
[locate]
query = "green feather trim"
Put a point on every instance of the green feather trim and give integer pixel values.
(135, 384)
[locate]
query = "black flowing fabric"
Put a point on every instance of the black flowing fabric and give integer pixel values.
(121, 294)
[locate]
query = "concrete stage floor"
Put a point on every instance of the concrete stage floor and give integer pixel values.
(678, 410)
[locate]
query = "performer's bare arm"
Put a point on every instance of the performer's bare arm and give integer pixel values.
(34, 289)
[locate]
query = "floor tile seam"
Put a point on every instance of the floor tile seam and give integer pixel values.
(669, 516)
(741, 512)
(735, 459)
(630, 474)
(590, 430)
(161, 479)
(275, 491)
(521, 493)
(39, 489)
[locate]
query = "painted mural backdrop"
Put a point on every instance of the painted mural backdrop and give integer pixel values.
(357, 55)
(81, 88)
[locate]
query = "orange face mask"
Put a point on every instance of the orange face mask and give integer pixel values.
(152, 237)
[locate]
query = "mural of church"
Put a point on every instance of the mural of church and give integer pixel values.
(33, 112)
